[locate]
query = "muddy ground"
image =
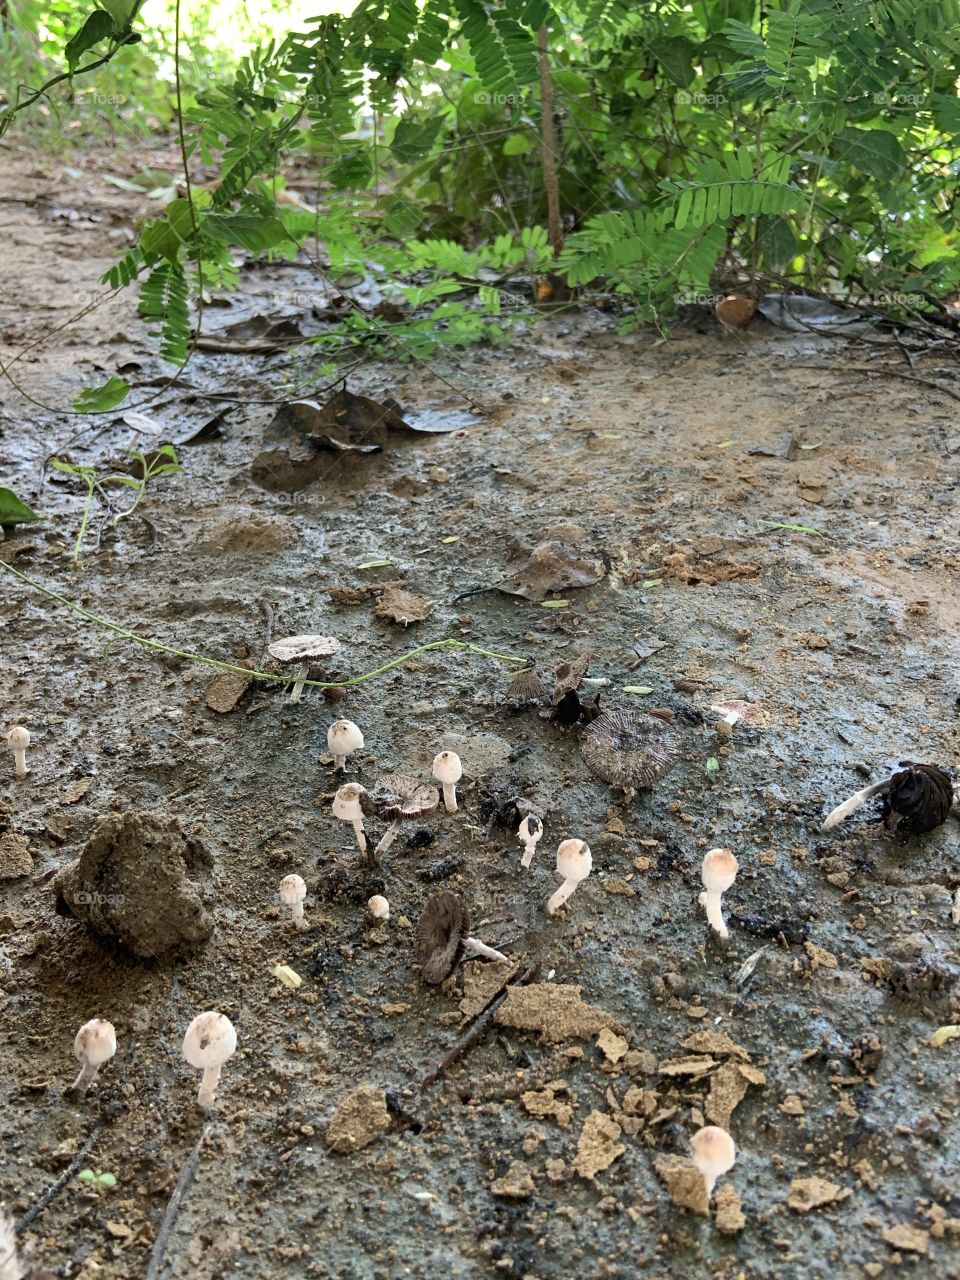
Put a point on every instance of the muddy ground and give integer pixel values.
(671, 455)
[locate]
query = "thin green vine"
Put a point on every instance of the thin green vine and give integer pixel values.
(160, 647)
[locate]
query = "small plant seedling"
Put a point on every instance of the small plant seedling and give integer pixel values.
(97, 1180)
(162, 462)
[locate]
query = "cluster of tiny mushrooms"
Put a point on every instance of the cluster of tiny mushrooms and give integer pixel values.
(626, 749)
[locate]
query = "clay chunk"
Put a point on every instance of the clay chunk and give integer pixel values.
(359, 1120)
(130, 885)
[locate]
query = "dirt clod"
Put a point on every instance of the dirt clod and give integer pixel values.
(360, 1119)
(730, 1217)
(813, 1193)
(130, 884)
(684, 1182)
(516, 1184)
(555, 1010)
(598, 1146)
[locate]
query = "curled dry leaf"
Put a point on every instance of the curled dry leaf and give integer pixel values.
(563, 559)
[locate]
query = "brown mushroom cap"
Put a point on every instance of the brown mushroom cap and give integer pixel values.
(440, 933)
(293, 650)
(397, 795)
(919, 798)
(526, 687)
(628, 748)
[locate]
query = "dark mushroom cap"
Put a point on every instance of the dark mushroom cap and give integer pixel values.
(628, 748)
(919, 798)
(526, 687)
(296, 649)
(397, 795)
(568, 675)
(440, 933)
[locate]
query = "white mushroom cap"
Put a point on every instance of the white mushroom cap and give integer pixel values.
(210, 1040)
(531, 828)
(296, 649)
(719, 870)
(378, 907)
(447, 767)
(96, 1042)
(18, 737)
(346, 803)
(343, 737)
(293, 889)
(574, 860)
(713, 1152)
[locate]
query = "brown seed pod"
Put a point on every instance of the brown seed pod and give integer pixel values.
(629, 749)
(441, 931)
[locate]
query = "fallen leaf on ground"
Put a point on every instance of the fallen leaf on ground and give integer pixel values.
(564, 558)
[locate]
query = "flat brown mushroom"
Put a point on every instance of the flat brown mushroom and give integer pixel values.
(398, 796)
(629, 749)
(443, 937)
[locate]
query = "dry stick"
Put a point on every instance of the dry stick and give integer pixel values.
(155, 1261)
(477, 1029)
(80, 1158)
(550, 183)
(889, 373)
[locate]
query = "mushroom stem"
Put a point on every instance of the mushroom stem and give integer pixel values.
(450, 796)
(88, 1073)
(302, 672)
(20, 762)
(556, 900)
(339, 762)
(529, 849)
(359, 833)
(299, 919)
(388, 837)
(712, 901)
(856, 800)
(208, 1087)
(474, 947)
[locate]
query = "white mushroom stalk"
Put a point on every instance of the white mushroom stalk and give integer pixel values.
(378, 907)
(474, 947)
(530, 833)
(19, 740)
(293, 893)
(718, 873)
(343, 738)
(859, 798)
(447, 770)
(574, 864)
(346, 806)
(95, 1044)
(210, 1040)
(714, 1154)
(388, 837)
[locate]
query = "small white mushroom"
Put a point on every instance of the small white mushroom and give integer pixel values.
(346, 807)
(474, 947)
(343, 738)
(378, 907)
(713, 1154)
(209, 1042)
(300, 652)
(530, 832)
(447, 770)
(95, 1044)
(293, 893)
(718, 873)
(19, 740)
(574, 864)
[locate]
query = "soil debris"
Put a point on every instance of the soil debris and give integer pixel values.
(226, 689)
(15, 859)
(402, 607)
(730, 1218)
(909, 1239)
(130, 884)
(814, 1193)
(685, 1183)
(516, 1184)
(555, 1011)
(359, 1120)
(612, 1046)
(545, 1103)
(598, 1145)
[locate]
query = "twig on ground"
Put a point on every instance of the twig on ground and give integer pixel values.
(155, 1261)
(79, 1159)
(889, 373)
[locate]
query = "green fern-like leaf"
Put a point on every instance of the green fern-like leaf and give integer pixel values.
(126, 270)
(731, 189)
(163, 299)
(502, 49)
